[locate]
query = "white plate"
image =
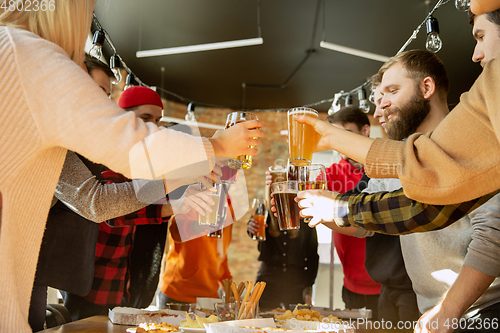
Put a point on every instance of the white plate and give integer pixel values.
(191, 329)
(133, 330)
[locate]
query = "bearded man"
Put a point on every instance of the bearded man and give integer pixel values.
(451, 269)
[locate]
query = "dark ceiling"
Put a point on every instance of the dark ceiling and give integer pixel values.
(289, 69)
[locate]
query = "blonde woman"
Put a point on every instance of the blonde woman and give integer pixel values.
(48, 104)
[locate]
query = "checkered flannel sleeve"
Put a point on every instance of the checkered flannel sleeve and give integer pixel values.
(394, 214)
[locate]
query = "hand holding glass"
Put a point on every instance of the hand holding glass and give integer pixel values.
(312, 177)
(243, 161)
(259, 209)
(302, 138)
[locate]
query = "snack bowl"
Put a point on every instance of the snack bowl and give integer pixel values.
(225, 311)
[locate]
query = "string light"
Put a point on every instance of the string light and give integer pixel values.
(405, 45)
(130, 81)
(336, 103)
(434, 42)
(115, 64)
(371, 98)
(348, 100)
(190, 112)
(134, 80)
(97, 41)
(363, 102)
(462, 5)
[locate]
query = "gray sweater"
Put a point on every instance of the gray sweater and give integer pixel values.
(79, 189)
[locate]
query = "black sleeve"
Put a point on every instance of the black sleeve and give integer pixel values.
(361, 185)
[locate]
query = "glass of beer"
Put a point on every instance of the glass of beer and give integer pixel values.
(312, 177)
(260, 212)
(292, 171)
(302, 138)
(288, 209)
(212, 217)
(243, 161)
(278, 173)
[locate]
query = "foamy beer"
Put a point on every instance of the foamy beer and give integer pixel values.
(284, 194)
(243, 161)
(302, 138)
(278, 173)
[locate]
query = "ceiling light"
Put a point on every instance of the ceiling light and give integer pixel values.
(348, 100)
(462, 5)
(115, 64)
(363, 102)
(354, 52)
(336, 103)
(97, 41)
(190, 113)
(200, 47)
(130, 81)
(434, 42)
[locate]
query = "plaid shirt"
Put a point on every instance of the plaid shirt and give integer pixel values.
(395, 214)
(114, 244)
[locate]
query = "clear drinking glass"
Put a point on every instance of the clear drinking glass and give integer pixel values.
(311, 177)
(302, 138)
(225, 311)
(278, 173)
(212, 217)
(243, 161)
(284, 194)
(222, 213)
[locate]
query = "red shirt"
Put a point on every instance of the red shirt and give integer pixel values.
(113, 248)
(343, 177)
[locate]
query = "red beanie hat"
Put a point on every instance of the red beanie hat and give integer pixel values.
(139, 95)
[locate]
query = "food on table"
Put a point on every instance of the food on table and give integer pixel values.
(277, 310)
(206, 311)
(308, 315)
(163, 327)
(198, 323)
(268, 328)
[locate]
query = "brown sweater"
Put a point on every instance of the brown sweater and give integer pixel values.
(457, 162)
(48, 105)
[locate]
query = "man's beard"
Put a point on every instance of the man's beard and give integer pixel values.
(408, 118)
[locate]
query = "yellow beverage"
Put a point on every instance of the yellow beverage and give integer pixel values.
(211, 218)
(313, 185)
(302, 138)
(242, 161)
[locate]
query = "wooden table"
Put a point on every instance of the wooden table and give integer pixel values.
(101, 324)
(96, 324)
